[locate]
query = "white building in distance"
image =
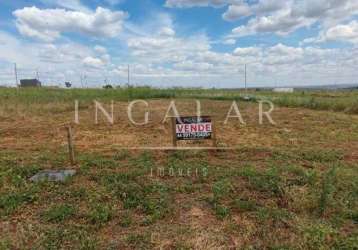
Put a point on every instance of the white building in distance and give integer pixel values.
(283, 90)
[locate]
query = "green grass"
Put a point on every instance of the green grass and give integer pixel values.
(152, 200)
(242, 206)
(339, 101)
(328, 186)
(100, 214)
(268, 181)
(59, 213)
(139, 241)
(11, 201)
(45, 95)
(74, 237)
(125, 220)
(221, 211)
(128, 200)
(265, 195)
(222, 189)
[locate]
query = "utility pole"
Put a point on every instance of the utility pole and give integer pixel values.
(128, 76)
(37, 75)
(86, 82)
(15, 68)
(81, 80)
(245, 79)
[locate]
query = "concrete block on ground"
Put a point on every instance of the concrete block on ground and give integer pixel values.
(53, 175)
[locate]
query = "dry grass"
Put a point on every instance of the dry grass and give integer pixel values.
(288, 186)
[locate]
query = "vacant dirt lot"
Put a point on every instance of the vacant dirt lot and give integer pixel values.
(295, 128)
(292, 185)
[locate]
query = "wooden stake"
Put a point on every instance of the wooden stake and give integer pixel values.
(213, 136)
(174, 132)
(70, 145)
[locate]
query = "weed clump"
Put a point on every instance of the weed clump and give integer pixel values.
(328, 187)
(59, 213)
(268, 181)
(100, 214)
(153, 199)
(11, 201)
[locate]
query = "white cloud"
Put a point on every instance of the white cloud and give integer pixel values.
(216, 58)
(235, 12)
(65, 54)
(327, 12)
(166, 49)
(67, 4)
(158, 55)
(344, 32)
(10, 47)
(281, 23)
(114, 2)
(48, 24)
(100, 49)
(280, 17)
(248, 51)
(106, 58)
(197, 3)
(56, 63)
(166, 31)
(229, 41)
(283, 18)
(264, 7)
(93, 62)
(186, 58)
(282, 54)
(190, 66)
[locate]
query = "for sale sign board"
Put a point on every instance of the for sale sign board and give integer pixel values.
(193, 128)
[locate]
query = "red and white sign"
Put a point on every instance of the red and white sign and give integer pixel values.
(193, 128)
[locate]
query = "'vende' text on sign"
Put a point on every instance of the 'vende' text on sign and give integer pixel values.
(193, 128)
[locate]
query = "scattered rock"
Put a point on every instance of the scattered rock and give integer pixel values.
(53, 175)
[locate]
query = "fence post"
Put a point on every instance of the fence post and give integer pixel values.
(174, 132)
(213, 129)
(70, 145)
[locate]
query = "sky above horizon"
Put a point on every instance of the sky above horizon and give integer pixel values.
(187, 43)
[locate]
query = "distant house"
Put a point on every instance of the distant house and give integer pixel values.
(283, 90)
(30, 83)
